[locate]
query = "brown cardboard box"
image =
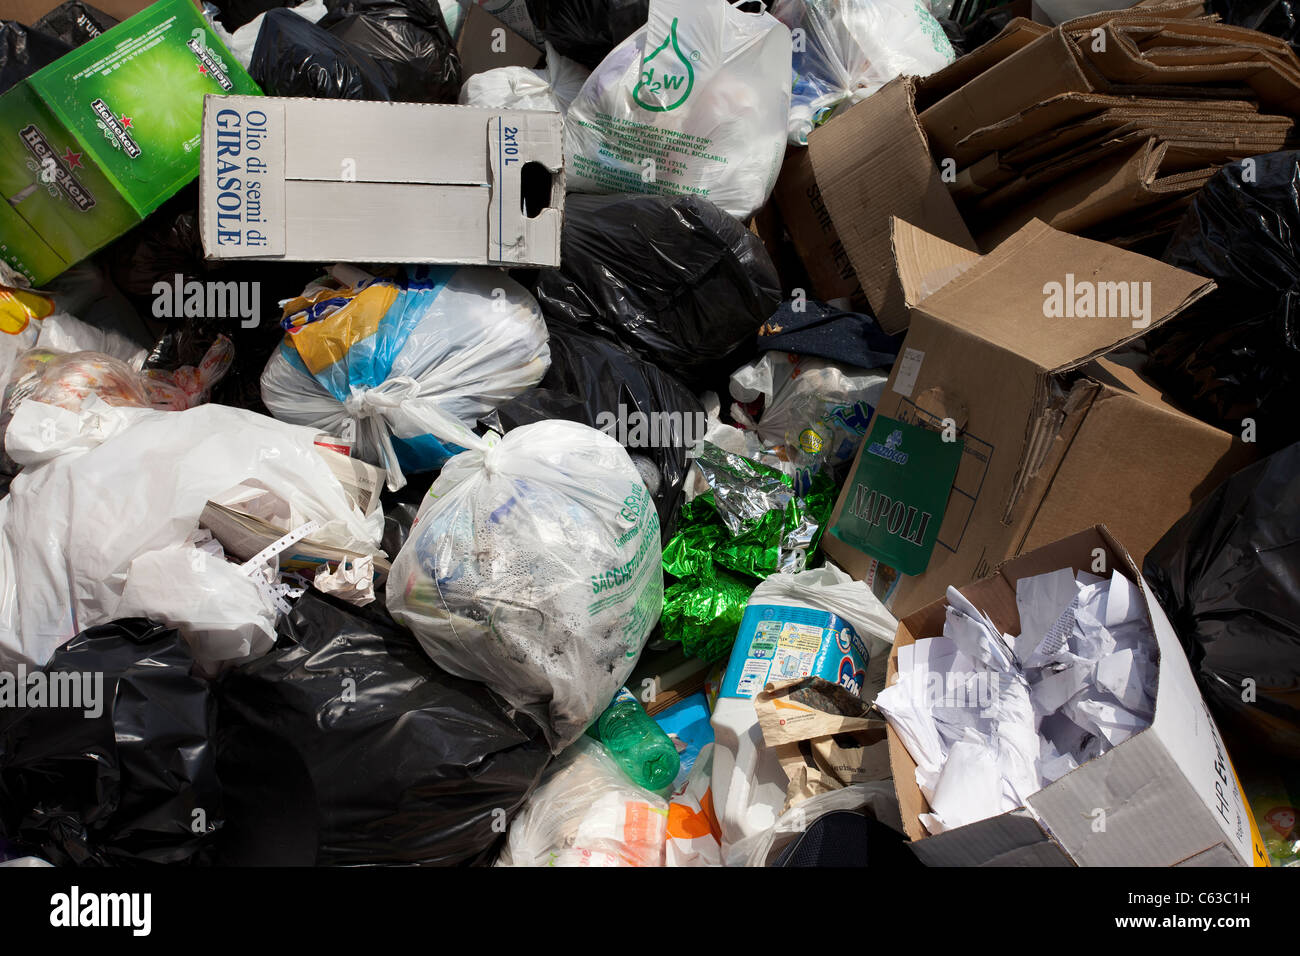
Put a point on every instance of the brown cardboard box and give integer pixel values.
(824, 258)
(1169, 794)
(881, 158)
(1051, 443)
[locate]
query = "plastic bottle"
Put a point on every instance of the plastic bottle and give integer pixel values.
(637, 743)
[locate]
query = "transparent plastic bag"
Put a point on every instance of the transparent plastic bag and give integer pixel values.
(850, 48)
(696, 102)
(408, 367)
(587, 813)
(534, 567)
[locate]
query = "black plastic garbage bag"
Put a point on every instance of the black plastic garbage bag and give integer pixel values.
(346, 745)
(586, 30)
(295, 57)
(408, 41)
(673, 278)
(235, 13)
(1281, 18)
(134, 783)
(655, 417)
(23, 51)
(74, 22)
(1235, 354)
(1228, 575)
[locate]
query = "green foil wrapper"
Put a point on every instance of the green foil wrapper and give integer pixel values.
(749, 524)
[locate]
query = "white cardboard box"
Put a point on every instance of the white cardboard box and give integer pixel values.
(313, 180)
(1168, 795)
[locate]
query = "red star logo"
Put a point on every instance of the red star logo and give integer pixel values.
(203, 69)
(72, 159)
(126, 120)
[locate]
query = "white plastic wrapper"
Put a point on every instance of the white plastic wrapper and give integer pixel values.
(535, 567)
(587, 813)
(851, 48)
(100, 523)
(408, 369)
(815, 412)
(519, 88)
(697, 101)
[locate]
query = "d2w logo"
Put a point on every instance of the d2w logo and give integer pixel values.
(663, 76)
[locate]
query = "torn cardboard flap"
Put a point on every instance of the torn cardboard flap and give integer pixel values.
(1056, 299)
(338, 180)
(891, 169)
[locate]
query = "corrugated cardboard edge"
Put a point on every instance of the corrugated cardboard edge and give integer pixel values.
(874, 161)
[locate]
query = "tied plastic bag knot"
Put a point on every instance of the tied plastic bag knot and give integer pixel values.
(369, 402)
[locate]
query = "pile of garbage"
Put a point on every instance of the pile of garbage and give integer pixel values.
(648, 433)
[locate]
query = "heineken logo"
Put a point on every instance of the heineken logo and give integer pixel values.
(889, 450)
(210, 64)
(115, 129)
(54, 170)
(667, 76)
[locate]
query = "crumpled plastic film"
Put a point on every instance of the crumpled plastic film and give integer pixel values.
(749, 524)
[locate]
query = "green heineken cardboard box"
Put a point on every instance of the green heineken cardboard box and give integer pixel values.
(100, 138)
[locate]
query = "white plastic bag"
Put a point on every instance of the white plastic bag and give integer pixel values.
(409, 367)
(99, 524)
(534, 566)
(244, 39)
(848, 49)
(695, 102)
(815, 412)
(587, 813)
(519, 88)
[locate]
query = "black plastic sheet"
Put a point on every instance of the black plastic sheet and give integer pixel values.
(408, 41)
(1228, 576)
(345, 745)
(1235, 354)
(134, 784)
(672, 278)
(294, 57)
(586, 30)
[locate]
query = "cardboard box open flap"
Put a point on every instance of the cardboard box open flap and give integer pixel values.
(1167, 796)
(849, 170)
(982, 352)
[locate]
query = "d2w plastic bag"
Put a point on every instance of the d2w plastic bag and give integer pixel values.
(407, 367)
(100, 524)
(674, 279)
(117, 764)
(848, 49)
(533, 566)
(694, 103)
(588, 813)
(416, 768)
(1226, 574)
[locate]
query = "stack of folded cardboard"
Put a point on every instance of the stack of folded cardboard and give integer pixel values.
(1108, 124)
